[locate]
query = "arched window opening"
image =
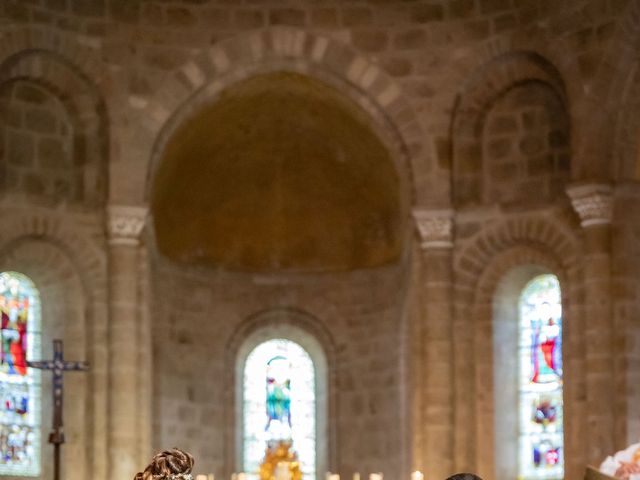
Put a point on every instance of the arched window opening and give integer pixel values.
(19, 386)
(279, 403)
(540, 379)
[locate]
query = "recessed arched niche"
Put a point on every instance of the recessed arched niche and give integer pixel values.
(278, 172)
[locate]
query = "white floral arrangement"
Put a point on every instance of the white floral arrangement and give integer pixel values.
(624, 465)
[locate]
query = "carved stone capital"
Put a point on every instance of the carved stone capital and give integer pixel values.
(125, 223)
(435, 228)
(593, 202)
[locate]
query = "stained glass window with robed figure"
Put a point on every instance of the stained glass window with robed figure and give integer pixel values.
(279, 403)
(541, 407)
(19, 385)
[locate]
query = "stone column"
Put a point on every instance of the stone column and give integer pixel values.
(436, 245)
(625, 271)
(145, 359)
(594, 205)
(125, 223)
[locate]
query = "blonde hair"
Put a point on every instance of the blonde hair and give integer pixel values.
(167, 464)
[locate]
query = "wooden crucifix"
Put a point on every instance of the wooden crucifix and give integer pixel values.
(58, 365)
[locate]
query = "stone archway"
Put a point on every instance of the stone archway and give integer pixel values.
(289, 50)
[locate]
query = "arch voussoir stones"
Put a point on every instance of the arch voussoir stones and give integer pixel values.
(225, 63)
(559, 241)
(55, 62)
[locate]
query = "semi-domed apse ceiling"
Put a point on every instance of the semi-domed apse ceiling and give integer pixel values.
(279, 172)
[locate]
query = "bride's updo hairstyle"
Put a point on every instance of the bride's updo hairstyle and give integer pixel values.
(174, 464)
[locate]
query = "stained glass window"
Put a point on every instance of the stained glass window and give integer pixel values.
(541, 430)
(279, 403)
(19, 385)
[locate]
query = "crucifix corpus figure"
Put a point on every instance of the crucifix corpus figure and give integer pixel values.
(58, 365)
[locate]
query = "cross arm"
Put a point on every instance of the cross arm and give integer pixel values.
(44, 365)
(76, 366)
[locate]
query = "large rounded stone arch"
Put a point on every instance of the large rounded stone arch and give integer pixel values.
(476, 98)
(493, 78)
(81, 51)
(557, 233)
(89, 261)
(66, 82)
(549, 241)
(625, 164)
(312, 335)
(615, 93)
(278, 49)
(559, 54)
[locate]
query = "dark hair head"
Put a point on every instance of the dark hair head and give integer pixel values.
(464, 476)
(167, 463)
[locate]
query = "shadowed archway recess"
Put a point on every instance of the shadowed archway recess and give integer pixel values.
(280, 172)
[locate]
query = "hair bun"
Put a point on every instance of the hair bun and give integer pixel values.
(167, 463)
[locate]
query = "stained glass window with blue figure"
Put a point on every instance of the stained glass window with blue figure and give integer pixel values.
(279, 403)
(541, 407)
(278, 397)
(19, 385)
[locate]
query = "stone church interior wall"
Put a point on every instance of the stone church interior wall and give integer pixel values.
(318, 345)
(625, 268)
(63, 316)
(482, 267)
(362, 312)
(54, 162)
(144, 58)
(72, 310)
(37, 139)
(525, 146)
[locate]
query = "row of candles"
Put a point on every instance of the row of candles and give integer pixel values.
(372, 476)
(283, 473)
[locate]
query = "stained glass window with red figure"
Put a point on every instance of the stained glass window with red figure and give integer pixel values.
(541, 407)
(19, 385)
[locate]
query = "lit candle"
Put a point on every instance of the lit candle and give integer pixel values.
(201, 477)
(417, 475)
(356, 476)
(210, 477)
(375, 476)
(334, 476)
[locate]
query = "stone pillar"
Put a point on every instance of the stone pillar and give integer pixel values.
(125, 223)
(436, 245)
(145, 359)
(625, 271)
(594, 205)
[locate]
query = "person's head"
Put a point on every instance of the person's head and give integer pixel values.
(174, 464)
(464, 476)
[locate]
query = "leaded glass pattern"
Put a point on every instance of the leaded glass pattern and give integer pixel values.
(19, 385)
(541, 408)
(279, 402)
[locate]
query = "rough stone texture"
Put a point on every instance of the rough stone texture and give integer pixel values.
(72, 289)
(526, 156)
(487, 106)
(37, 141)
(366, 374)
